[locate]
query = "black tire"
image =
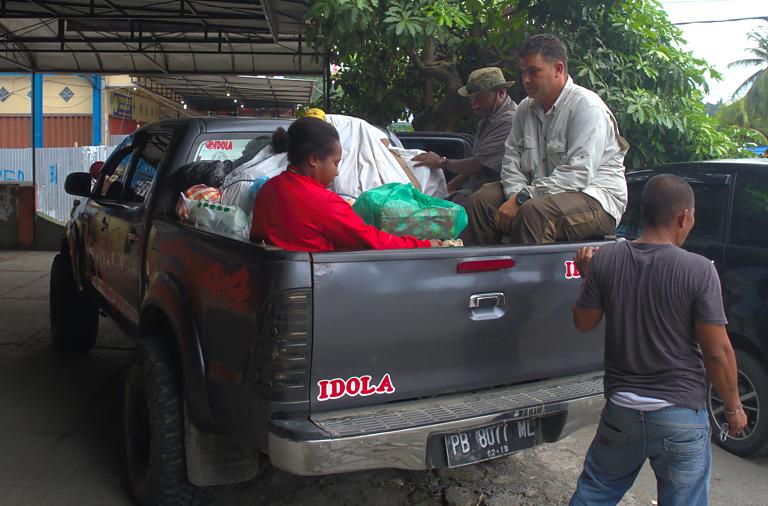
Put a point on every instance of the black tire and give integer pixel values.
(74, 318)
(154, 431)
(753, 389)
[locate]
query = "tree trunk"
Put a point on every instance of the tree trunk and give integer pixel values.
(429, 83)
(443, 115)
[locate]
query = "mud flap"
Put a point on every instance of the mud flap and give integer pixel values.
(218, 459)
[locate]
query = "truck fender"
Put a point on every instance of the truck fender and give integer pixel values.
(69, 246)
(166, 299)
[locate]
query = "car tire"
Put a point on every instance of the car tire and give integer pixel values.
(153, 422)
(74, 319)
(753, 390)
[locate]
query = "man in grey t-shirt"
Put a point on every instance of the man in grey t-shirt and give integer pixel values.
(665, 326)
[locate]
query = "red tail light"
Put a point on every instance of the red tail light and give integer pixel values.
(485, 264)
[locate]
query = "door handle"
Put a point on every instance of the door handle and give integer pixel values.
(487, 306)
(495, 299)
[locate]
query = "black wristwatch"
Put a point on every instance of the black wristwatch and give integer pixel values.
(523, 197)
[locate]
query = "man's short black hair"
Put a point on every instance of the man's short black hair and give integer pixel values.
(545, 44)
(664, 196)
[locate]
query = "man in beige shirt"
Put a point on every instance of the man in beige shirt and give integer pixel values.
(562, 176)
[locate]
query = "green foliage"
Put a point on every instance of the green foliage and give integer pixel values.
(751, 111)
(625, 50)
(654, 88)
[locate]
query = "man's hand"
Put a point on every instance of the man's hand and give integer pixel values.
(507, 214)
(583, 257)
(436, 243)
(429, 159)
(736, 422)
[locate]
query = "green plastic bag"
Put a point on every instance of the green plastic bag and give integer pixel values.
(401, 209)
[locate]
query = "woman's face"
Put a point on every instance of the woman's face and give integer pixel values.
(325, 170)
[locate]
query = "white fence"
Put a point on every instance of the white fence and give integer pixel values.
(53, 165)
(16, 165)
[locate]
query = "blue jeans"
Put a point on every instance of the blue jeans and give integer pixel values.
(675, 439)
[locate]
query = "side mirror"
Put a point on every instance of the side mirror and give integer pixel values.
(95, 170)
(78, 184)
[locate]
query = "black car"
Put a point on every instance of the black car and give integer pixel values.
(731, 230)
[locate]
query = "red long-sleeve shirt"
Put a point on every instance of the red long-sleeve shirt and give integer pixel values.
(296, 213)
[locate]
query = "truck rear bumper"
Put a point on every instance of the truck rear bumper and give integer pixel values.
(409, 435)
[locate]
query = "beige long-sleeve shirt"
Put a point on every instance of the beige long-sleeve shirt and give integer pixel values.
(575, 146)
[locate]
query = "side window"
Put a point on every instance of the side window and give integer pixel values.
(750, 217)
(630, 225)
(146, 167)
(113, 176)
(711, 206)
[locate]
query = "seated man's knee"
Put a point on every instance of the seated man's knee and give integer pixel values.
(532, 210)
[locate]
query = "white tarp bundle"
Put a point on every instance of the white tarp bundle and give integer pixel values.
(366, 163)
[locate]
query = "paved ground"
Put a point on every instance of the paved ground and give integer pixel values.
(60, 434)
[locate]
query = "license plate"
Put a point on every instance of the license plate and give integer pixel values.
(476, 445)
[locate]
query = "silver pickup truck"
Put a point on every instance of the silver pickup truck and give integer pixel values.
(324, 363)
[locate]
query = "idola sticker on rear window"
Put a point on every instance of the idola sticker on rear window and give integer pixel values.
(355, 386)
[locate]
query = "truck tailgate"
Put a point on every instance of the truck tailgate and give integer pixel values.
(396, 325)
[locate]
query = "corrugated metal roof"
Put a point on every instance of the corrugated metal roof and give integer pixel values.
(150, 37)
(252, 91)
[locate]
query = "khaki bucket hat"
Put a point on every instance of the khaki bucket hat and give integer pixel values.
(484, 79)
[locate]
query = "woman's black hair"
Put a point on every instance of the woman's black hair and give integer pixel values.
(305, 137)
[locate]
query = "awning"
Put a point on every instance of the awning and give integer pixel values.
(151, 37)
(205, 92)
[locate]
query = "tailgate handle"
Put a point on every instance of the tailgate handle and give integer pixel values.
(487, 306)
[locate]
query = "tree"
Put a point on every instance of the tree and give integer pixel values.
(759, 58)
(750, 111)
(403, 57)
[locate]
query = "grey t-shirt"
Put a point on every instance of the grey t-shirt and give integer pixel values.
(488, 147)
(651, 295)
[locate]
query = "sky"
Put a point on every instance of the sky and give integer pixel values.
(719, 43)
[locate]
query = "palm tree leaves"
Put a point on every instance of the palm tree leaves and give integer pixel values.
(760, 58)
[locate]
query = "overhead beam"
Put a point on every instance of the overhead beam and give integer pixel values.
(119, 40)
(149, 16)
(269, 14)
(172, 51)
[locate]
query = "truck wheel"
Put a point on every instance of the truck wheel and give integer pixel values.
(753, 390)
(153, 422)
(74, 319)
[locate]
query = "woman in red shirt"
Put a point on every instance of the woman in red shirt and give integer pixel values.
(297, 212)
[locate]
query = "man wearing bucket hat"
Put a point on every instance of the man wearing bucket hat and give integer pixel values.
(562, 178)
(486, 90)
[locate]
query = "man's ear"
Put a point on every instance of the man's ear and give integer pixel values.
(682, 216)
(559, 67)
